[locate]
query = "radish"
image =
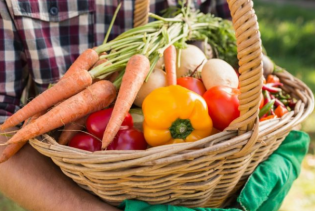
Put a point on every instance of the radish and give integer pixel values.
(190, 58)
(157, 79)
(218, 72)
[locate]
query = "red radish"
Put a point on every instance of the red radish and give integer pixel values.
(97, 122)
(85, 142)
(128, 139)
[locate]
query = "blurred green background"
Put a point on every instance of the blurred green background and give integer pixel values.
(288, 34)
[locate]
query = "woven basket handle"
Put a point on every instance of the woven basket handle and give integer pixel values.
(249, 54)
(141, 12)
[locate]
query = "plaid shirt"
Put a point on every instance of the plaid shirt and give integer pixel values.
(41, 38)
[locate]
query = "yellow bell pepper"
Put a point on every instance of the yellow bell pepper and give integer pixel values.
(175, 114)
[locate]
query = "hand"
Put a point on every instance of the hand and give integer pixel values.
(131, 205)
(272, 179)
(267, 186)
(35, 183)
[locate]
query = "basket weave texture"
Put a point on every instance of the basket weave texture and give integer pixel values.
(205, 173)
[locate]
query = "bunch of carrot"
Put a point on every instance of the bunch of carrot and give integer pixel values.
(133, 54)
(73, 104)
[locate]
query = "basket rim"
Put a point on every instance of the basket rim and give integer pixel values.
(225, 140)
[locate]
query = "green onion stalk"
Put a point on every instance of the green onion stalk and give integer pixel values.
(151, 40)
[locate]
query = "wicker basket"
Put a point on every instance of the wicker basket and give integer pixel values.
(205, 173)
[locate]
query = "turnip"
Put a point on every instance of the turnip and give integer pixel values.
(268, 66)
(204, 47)
(160, 63)
(190, 58)
(218, 72)
(156, 80)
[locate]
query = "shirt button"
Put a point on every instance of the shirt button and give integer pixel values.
(53, 10)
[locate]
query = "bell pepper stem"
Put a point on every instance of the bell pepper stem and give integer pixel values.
(181, 128)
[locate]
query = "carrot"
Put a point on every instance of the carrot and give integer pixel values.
(110, 77)
(170, 64)
(71, 129)
(100, 61)
(95, 97)
(64, 89)
(84, 62)
(136, 71)
(12, 149)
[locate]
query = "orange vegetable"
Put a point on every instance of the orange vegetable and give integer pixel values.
(64, 89)
(170, 65)
(272, 79)
(137, 69)
(100, 61)
(75, 80)
(262, 101)
(268, 117)
(174, 114)
(280, 111)
(12, 149)
(84, 62)
(94, 98)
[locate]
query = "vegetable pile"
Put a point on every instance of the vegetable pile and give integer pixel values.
(274, 102)
(179, 93)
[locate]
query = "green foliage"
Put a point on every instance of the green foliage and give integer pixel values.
(288, 34)
(222, 39)
(219, 34)
(287, 31)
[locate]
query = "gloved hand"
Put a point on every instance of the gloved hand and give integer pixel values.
(272, 179)
(267, 186)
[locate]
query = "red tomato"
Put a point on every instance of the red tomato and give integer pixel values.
(272, 79)
(192, 84)
(267, 117)
(223, 105)
(97, 122)
(86, 142)
(280, 111)
(128, 139)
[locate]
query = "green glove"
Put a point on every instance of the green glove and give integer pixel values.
(131, 205)
(267, 186)
(272, 179)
